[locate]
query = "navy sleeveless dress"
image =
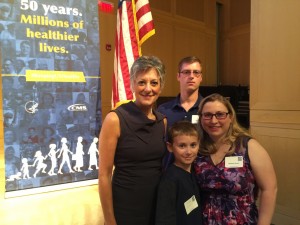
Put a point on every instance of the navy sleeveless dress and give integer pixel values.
(138, 162)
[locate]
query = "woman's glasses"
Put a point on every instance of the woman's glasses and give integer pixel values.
(218, 115)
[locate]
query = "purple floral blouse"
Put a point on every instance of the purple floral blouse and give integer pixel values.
(227, 194)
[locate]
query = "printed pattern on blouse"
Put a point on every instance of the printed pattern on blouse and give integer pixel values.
(227, 194)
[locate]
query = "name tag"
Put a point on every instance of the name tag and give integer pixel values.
(190, 205)
(195, 119)
(234, 161)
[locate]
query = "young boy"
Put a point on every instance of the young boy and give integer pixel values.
(178, 200)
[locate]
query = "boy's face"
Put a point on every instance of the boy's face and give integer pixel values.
(185, 149)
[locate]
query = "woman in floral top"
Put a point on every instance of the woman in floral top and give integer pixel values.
(232, 169)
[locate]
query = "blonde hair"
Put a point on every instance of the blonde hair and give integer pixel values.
(234, 134)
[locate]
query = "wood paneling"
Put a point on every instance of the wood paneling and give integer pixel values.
(107, 37)
(239, 12)
(154, 45)
(192, 9)
(165, 5)
(282, 143)
(274, 96)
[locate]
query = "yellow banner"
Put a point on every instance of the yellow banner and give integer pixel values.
(54, 76)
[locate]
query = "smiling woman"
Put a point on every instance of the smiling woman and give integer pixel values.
(135, 148)
(231, 168)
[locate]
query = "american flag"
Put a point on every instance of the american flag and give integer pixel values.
(134, 27)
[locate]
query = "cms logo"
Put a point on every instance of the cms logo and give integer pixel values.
(77, 108)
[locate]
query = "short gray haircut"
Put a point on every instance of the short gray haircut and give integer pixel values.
(143, 64)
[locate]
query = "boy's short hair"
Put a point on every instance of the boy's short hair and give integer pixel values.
(183, 127)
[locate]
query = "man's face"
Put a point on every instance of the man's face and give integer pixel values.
(190, 77)
(22, 81)
(8, 119)
(25, 49)
(4, 11)
(9, 153)
(19, 64)
(8, 66)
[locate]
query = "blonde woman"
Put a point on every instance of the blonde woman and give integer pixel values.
(231, 168)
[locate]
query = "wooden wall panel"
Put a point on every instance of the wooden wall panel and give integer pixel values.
(193, 9)
(107, 37)
(239, 55)
(234, 31)
(275, 98)
(210, 61)
(162, 46)
(239, 12)
(283, 143)
(275, 76)
(235, 56)
(165, 5)
(290, 119)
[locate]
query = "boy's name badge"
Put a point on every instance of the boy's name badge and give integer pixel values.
(190, 204)
(234, 161)
(195, 119)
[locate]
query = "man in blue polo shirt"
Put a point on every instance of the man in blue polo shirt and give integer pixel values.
(185, 105)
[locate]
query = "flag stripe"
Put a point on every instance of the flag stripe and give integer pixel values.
(134, 26)
(145, 19)
(146, 31)
(129, 51)
(141, 10)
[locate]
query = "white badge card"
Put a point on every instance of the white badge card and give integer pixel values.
(234, 161)
(195, 119)
(190, 204)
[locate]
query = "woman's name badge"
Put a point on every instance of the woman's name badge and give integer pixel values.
(195, 119)
(234, 161)
(190, 204)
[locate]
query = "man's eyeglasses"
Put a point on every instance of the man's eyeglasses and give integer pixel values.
(218, 115)
(197, 73)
